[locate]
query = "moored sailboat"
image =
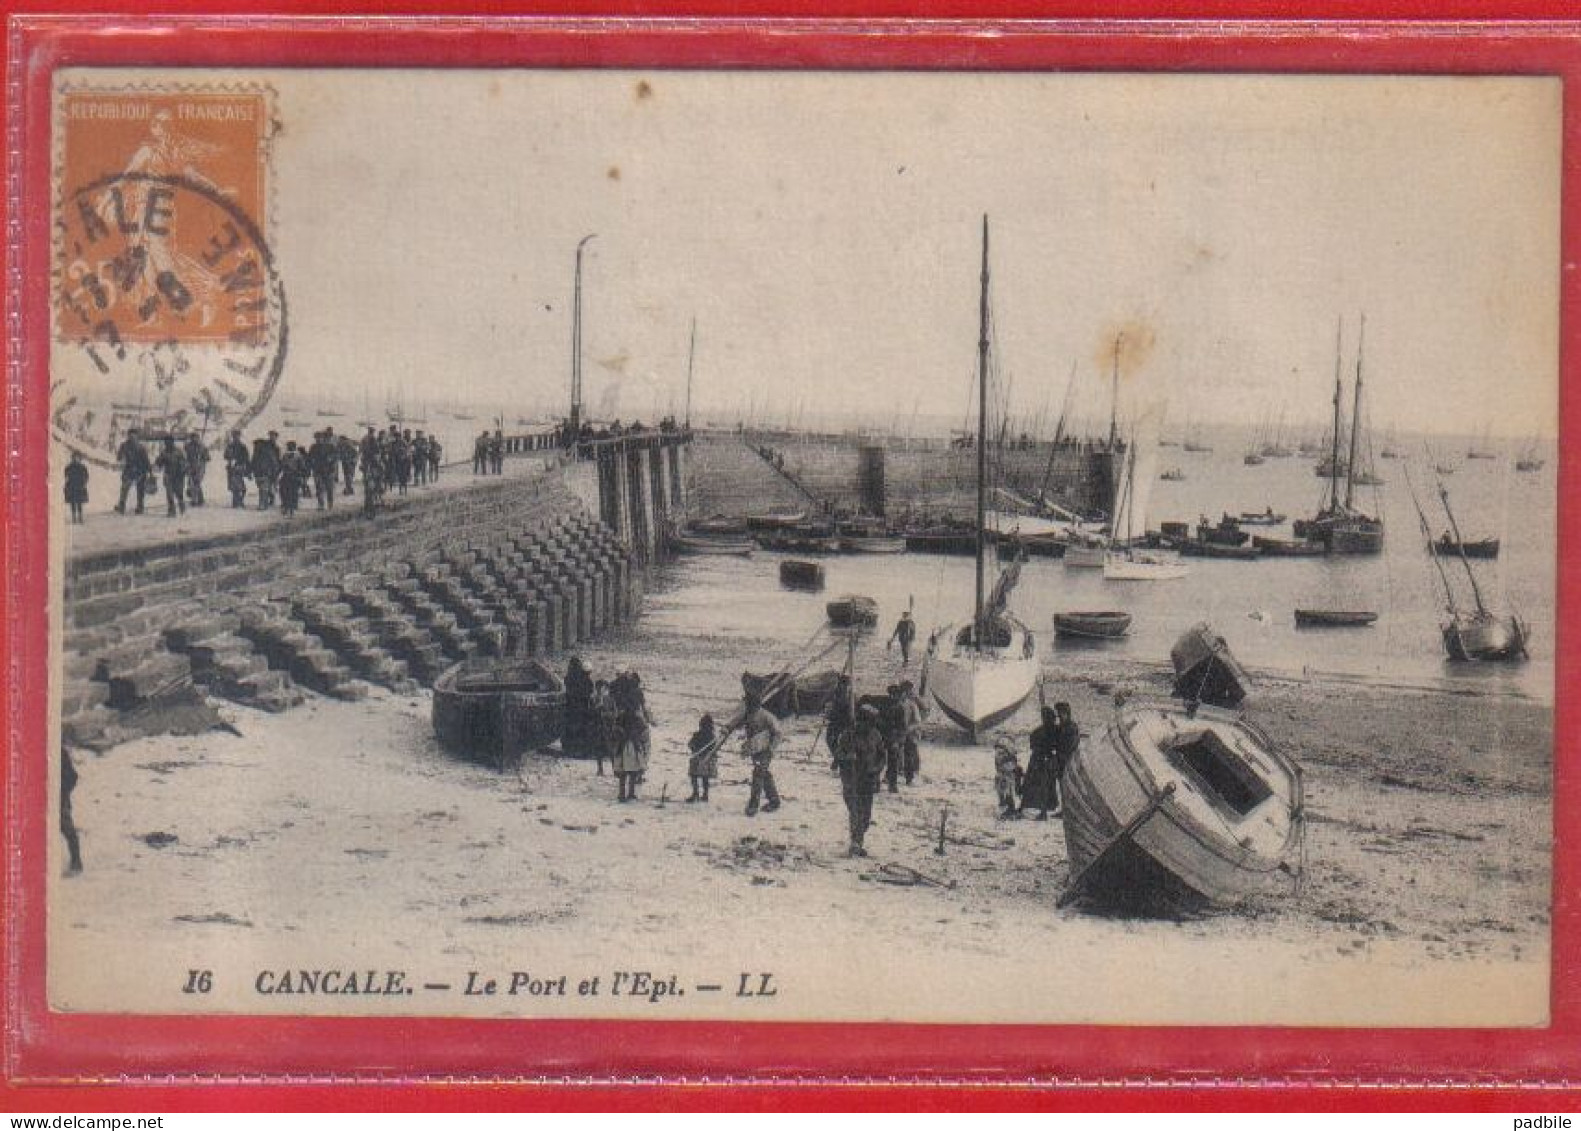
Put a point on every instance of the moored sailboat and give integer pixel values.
(983, 671)
(1341, 527)
(1123, 560)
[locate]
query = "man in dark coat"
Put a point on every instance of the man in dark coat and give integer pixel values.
(134, 470)
(859, 755)
(197, 466)
(372, 471)
(576, 726)
(346, 451)
(172, 466)
(480, 454)
(238, 466)
(420, 459)
(762, 734)
(266, 468)
(293, 469)
(905, 632)
(1067, 740)
(497, 451)
(435, 451)
(841, 714)
(322, 459)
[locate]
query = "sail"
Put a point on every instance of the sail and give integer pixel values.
(1143, 473)
(1000, 596)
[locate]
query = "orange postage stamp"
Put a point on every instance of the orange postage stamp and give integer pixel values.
(167, 302)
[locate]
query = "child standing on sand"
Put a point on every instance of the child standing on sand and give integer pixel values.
(1008, 778)
(704, 763)
(76, 485)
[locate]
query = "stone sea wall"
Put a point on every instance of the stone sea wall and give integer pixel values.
(332, 602)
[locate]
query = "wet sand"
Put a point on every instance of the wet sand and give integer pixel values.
(338, 835)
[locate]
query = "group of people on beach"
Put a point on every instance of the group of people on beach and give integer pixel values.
(872, 738)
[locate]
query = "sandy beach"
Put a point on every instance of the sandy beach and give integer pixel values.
(338, 836)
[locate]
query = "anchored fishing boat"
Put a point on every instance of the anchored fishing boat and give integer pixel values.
(1124, 560)
(1206, 671)
(1092, 626)
(493, 710)
(1447, 547)
(1266, 518)
(1341, 527)
(1472, 635)
(1334, 618)
(984, 670)
(1174, 807)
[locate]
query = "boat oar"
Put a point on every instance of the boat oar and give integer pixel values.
(1078, 882)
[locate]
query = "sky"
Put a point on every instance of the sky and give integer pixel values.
(825, 231)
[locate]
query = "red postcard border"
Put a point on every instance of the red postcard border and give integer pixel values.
(765, 1064)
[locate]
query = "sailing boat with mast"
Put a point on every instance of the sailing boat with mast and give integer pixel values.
(1472, 636)
(1341, 527)
(1123, 561)
(991, 662)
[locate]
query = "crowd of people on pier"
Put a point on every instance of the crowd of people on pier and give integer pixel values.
(872, 740)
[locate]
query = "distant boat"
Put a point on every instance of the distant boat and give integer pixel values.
(1092, 626)
(1253, 459)
(328, 412)
(1173, 475)
(1334, 618)
(1482, 449)
(1264, 518)
(1285, 548)
(1174, 807)
(1340, 526)
(1529, 463)
(1196, 548)
(716, 546)
(1123, 561)
(1446, 547)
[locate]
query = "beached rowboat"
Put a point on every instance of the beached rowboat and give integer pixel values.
(493, 710)
(1092, 626)
(808, 694)
(801, 575)
(1334, 618)
(1172, 807)
(853, 611)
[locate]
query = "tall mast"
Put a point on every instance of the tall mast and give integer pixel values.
(1333, 466)
(982, 439)
(691, 356)
(1355, 418)
(1460, 546)
(1114, 394)
(576, 339)
(1449, 590)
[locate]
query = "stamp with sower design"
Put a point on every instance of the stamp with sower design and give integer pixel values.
(169, 313)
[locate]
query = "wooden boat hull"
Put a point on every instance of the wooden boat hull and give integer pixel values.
(1206, 670)
(1196, 549)
(954, 542)
(780, 521)
(1334, 618)
(1345, 535)
(1041, 546)
(1228, 830)
(801, 575)
(980, 690)
(1092, 626)
(492, 711)
(853, 612)
(872, 544)
(808, 694)
(711, 547)
(1487, 639)
(1260, 519)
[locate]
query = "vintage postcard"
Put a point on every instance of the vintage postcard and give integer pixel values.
(804, 545)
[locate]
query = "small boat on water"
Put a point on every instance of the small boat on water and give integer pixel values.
(1227, 532)
(808, 694)
(1173, 807)
(1253, 459)
(712, 545)
(853, 611)
(1092, 626)
(872, 543)
(718, 524)
(1206, 671)
(1265, 518)
(1285, 548)
(1334, 618)
(777, 520)
(801, 575)
(494, 710)
(1173, 475)
(1447, 547)
(1530, 463)
(806, 538)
